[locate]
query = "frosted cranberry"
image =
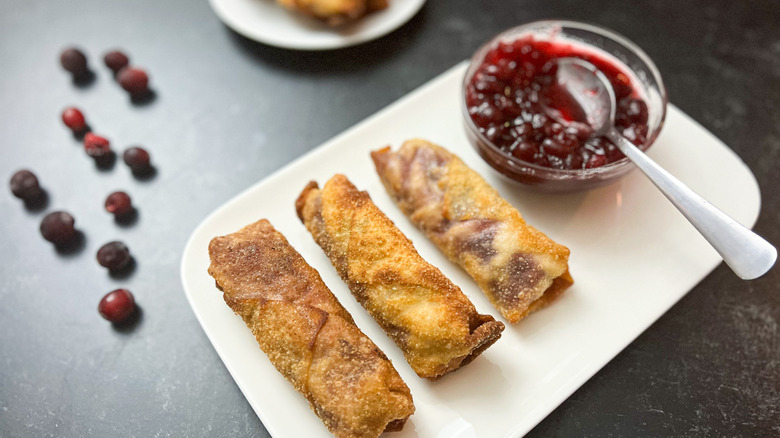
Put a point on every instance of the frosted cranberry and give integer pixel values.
(525, 150)
(119, 204)
(595, 161)
(24, 185)
(74, 61)
(58, 227)
(137, 158)
(117, 305)
(552, 147)
(116, 60)
(74, 119)
(114, 256)
(96, 146)
(522, 130)
(134, 80)
(574, 161)
(485, 114)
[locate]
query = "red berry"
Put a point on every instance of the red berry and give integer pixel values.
(133, 80)
(114, 256)
(24, 185)
(117, 305)
(74, 119)
(74, 61)
(596, 161)
(57, 227)
(96, 146)
(119, 204)
(137, 158)
(116, 60)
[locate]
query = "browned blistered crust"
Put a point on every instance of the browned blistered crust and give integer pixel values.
(429, 318)
(518, 267)
(334, 12)
(306, 333)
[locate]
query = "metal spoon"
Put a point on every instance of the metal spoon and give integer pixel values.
(746, 253)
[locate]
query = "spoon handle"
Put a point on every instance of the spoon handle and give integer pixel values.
(745, 252)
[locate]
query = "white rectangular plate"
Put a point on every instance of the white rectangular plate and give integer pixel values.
(632, 257)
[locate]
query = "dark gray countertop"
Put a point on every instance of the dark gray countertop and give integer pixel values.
(230, 111)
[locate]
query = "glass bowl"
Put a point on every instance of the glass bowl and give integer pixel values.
(604, 44)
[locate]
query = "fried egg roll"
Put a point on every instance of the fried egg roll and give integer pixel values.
(518, 267)
(306, 333)
(334, 12)
(427, 316)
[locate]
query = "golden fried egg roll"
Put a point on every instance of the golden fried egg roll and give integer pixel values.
(427, 316)
(306, 333)
(334, 12)
(518, 267)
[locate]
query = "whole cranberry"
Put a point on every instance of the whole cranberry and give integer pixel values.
(24, 185)
(116, 60)
(134, 80)
(114, 256)
(74, 61)
(74, 119)
(119, 204)
(96, 146)
(117, 305)
(58, 227)
(137, 158)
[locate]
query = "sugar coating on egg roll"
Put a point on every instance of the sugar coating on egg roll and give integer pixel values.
(427, 316)
(306, 333)
(518, 267)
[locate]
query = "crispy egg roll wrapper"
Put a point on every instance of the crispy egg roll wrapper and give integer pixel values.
(518, 267)
(427, 316)
(334, 12)
(306, 333)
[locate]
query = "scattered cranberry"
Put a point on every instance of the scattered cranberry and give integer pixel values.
(74, 119)
(119, 204)
(57, 227)
(137, 159)
(134, 80)
(114, 256)
(24, 185)
(116, 60)
(96, 146)
(74, 61)
(515, 101)
(117, 305)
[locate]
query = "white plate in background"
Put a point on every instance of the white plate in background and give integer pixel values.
(267, 22)
(633, 255)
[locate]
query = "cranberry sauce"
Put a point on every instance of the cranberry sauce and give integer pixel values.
(514, 100)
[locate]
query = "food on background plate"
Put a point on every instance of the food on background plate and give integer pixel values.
(334, 12)
(306, 333)
(435, 325)
(518, 267)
